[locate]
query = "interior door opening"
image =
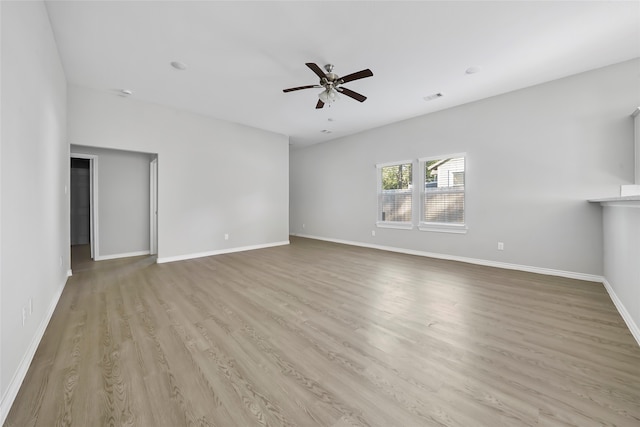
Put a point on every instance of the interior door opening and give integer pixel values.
(81, 207)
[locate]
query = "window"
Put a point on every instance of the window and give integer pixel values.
(442, 193)
(395, 194)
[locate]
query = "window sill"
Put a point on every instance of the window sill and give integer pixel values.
(398, 225)
(443, 228)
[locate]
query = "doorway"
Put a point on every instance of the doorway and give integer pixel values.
(80, 202)
(82, 207)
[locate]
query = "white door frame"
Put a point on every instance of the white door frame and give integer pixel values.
(153, 207)
(93, 200)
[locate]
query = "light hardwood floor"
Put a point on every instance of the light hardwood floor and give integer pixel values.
(321, 334)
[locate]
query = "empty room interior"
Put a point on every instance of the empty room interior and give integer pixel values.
(320, 213)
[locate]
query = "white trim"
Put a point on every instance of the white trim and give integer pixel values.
(219, 252)
(635, 329)
(69, 273)
(488, 263)
(396, 225)
(19, 375)
(443, 228)
(446, 156)
(400, 162)
(95, 237)
(122, 255)
(153, 207)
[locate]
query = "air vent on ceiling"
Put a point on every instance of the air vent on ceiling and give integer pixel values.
(434, 96)
(179, 65)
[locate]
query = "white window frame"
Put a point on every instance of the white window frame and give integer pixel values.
(401, 225)
(441, 227)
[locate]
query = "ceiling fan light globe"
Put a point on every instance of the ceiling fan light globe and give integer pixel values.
(328, 95)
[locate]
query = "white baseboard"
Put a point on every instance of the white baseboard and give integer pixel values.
(488, 263)
(633, 327)
(219, 252)
(21, 372)
(124, 255)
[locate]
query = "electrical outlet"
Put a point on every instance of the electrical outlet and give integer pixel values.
(373, 233)
(500, 246)
(304, 225)
(226, 236)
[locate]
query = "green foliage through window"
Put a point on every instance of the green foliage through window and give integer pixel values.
(396, 177)
(429, 176)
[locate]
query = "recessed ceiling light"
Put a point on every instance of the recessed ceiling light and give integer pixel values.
(433, 96)
(126, 92)
(472, 70)
(179, 65)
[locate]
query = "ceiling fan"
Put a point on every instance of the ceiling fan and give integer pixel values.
(332, 84)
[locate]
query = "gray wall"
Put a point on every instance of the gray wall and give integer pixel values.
(534, 157)
(34, 224)
(214, 177)
(123, 201)
(621, 222)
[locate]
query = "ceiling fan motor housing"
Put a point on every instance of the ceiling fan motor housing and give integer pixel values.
(331, 77)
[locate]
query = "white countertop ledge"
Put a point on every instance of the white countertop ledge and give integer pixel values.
(616, 199)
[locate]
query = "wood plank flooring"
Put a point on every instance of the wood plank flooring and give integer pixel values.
(321, 334)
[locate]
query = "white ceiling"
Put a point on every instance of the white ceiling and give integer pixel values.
(240, 55)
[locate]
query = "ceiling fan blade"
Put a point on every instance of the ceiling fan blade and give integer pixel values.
(352, 94)
(320, 104)
(317, 70)
(291, 89)
(355, 76)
